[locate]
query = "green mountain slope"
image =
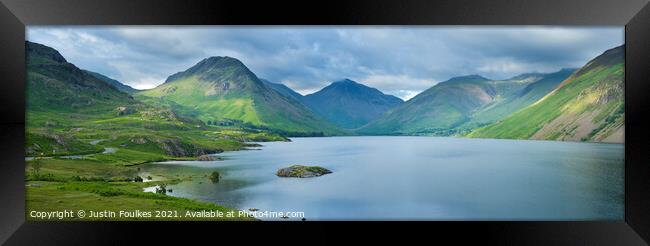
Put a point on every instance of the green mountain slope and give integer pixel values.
(588, 106)
(528, 89)
(117, 84)
(86, 139)
(437, 109)
(54, 85)
(223, 89)
(70, 112)
(349, 104)
(284, 90)
(458, 105)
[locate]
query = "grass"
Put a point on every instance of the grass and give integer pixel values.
(106, 185)
(71, 113)
(102, 181)
(52, 144)
(436, 111)
(115, 197)
(246, 100)
(575, 96)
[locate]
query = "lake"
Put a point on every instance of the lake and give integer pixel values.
(418, 178)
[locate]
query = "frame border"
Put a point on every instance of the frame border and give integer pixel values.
(15, 14)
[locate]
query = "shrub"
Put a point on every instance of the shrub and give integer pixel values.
(214, 177)
(161, 189)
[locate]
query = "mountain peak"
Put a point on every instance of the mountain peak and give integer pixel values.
(39, 50)
(217, 62)
(349, 86)
(345, 81)
(524, 76)
(350, 104)
(467, 78)
(221, 60)
(211, 65)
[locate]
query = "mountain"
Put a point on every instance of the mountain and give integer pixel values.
(349, 104)
(224, 89)
(460, 104)
(441, 107)
(54, 85)
(71, 112)
(527, 89)
(61, 96)
(283, 90)
(345, 103)
(588, 106)
(117, 84)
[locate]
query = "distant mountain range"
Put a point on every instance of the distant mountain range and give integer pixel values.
(461, 104)
(345, 103)
(583, 105)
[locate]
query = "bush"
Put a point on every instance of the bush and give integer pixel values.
(161, 189)
(214, 177)
(43, 177)
(137, 179)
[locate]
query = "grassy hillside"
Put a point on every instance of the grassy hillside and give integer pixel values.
(67, 109)
(461, 104)
(588, 106)
(53, 84)
(86, 140)
(222, 89)
(437, 109)
(525, 90)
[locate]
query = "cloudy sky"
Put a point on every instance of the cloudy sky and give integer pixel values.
(402, 61)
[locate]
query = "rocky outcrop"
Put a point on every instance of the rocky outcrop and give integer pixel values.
(124, 110)
(299, 171)
(176, 148)
(139, 140)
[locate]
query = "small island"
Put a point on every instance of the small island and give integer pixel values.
(299, 171)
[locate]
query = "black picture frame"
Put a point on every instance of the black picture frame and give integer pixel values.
(634, 14)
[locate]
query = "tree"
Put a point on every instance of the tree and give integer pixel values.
(37, 164)
(214, 177)
(161, 189)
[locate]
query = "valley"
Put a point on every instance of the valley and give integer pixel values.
(91, 139)
(588, 106)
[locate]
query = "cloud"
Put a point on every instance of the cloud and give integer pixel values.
(397, 60)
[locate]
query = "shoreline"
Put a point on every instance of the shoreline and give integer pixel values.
(170, 180)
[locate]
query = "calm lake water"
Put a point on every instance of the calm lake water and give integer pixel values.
(419, 178)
